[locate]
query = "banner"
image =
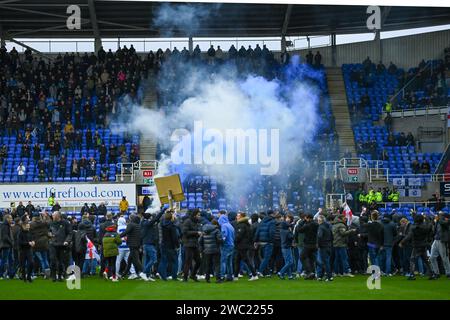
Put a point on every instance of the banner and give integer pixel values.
(445, 189)
(67, 195)
(402, 192)
(398, 182)
(415, 193)
(415, 182)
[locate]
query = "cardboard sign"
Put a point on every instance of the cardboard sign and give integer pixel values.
(170, 183)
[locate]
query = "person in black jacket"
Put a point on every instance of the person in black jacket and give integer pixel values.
(146, 202)
(170, 242)
(440, 244)
(26, 244)
(39, 231)
(276, 261)
(191, 233)
(406, 248)
(324, 242)
(287, 238)
(101, 210)
(375, 238)
(6, 246)
(253, 252)
(133, 234)
(60, 237)
(20, 210)
(85, 229)
(209, 244)
(420, 235)
(30, 209)
(309, 228)
(149, 233)
(390, 233)
(243, 242)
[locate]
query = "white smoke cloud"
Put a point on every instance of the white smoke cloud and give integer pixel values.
(225, 101)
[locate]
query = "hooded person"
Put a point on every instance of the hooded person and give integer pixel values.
(209, 244)
(84, 233)
(124, 250)
(243, 243)
(191, 233)
(419, 235)
(324, 243)
(111, 242)
(340, 240)
(227, 249)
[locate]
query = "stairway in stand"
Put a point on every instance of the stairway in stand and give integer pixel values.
(148, 143)
(338, 100)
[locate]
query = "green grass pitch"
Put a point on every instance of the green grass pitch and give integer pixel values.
(392, 288)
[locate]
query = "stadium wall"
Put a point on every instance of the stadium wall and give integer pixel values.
(405, 51)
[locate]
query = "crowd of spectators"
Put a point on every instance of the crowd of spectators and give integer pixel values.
(228, 245)
(52, 106)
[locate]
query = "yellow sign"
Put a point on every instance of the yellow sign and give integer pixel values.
(170, 184)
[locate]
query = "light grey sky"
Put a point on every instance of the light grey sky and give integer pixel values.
(87, 45)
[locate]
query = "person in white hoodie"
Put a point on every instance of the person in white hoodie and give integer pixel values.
(124, 251)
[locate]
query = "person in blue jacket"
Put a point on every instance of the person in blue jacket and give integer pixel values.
(227, 250)
(264, 237)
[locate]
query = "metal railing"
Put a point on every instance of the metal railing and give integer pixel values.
(382, 174)
(146, 165)
(334, 199)
(128, 169)
(427, 111)
(353, 162)
(331, 167)
(444, 160)
(378, 174)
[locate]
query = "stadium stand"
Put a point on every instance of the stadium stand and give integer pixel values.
(56, 115)
(368, 89)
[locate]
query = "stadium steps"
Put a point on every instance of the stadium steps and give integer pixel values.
(148, 143)
(338, 100)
